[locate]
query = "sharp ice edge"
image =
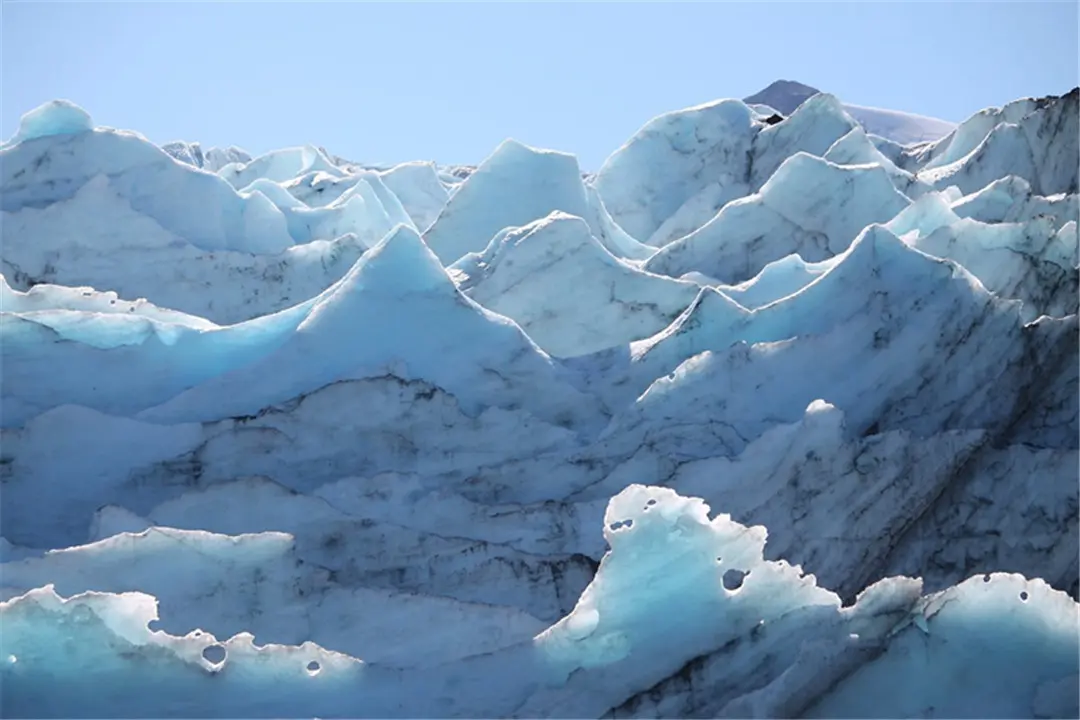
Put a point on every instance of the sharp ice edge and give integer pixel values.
(353, 482)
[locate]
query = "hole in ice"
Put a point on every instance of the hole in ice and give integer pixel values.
(155, 624)
(733, 579)
(214, 654)
(313, 668)
(621, 524)
(986, 577)
(1024, 596)
(652, 501)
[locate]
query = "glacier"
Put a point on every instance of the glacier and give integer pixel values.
(775, 415)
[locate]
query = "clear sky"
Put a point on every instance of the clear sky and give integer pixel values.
(448, 82)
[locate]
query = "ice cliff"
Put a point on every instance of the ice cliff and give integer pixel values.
(770, 417)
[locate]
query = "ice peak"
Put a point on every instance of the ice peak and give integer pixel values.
(400, 263)
(559, 222)
(877, 247)
(515, 149)
(822, 103)
(924, 216)
(712, 314)
(876, 258)
(514, 186)
(806, 170)
(56, 117)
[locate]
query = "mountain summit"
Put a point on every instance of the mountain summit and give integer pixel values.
(904, 128)
(783, 96)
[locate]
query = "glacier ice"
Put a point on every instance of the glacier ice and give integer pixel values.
(971, 133)
(519, 274)
(176, 374)
(294, 435)
(694, 157)
(514, 186)
(212, 159)
(682, 168)
(812, 128)
(1011, 199)
(419, 189)
(278, 166)
(257, 583)
(200, 207)
(1033, 139)
(59, 117)
(632, 645)
(832, 204)
(367, 209)
(856, 148)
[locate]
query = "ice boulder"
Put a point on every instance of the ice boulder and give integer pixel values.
(56, 117)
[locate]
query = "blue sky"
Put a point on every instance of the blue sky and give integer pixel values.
(448, 82)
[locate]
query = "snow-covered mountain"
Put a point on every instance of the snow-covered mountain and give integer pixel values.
(900, 127)
(771, 417)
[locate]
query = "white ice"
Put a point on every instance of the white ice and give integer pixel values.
(296, 435)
